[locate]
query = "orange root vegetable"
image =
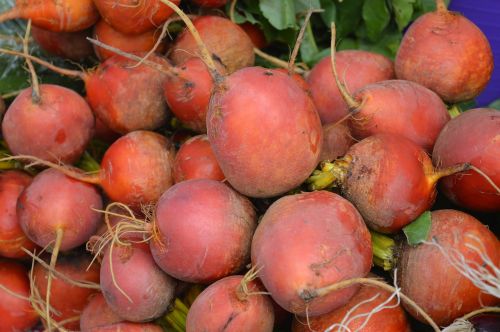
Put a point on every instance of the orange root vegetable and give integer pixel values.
(389, 179)
(196, 160)
(128, 327)
(56, 127)
(55, 15)
(16, 312)
(68, 299)
(134, 17)
(307, 241)
(370, 310)
(224, 39)
(12, 237)
(446, 53)
(97, 314)
(208, 224)
(472, 137)
(231, 304)
(210, 3)
(427, 276)
(256, 35)
(140, 296)
(67, 45)
(337, 140)
(356, 69)
(128, 43)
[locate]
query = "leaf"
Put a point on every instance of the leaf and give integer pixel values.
(348, 18)
(376, 17)
(403, 11)
(281, 14)
(495, 104)
(330, 11)
(418, 230)
(302, 6)
(308, 48)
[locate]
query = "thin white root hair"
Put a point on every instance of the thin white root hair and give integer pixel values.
(343, 326)
(485, 276)
(460, 325)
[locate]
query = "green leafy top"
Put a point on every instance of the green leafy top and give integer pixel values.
(418, 230)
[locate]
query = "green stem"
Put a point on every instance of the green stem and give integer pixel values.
(330, 174)
(383, 250)
(454, 111)
(88, 163)
(176, 317)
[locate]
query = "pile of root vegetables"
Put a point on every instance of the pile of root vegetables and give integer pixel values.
(190, 190)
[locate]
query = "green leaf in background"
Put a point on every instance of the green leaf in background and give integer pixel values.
(330, 11)
(376, 17)
(418, 230)
(347, 18)
(495, 104)
(302, 6)
(308, 48)
(403, 12)
(281, 14)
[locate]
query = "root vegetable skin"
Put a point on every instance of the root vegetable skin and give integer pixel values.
(54, 201)
(471, 137)
(388, 320)
(223, 38)
(336, 141)
(149, 290)
(68, 45)
(307, 241)
(143, 180)
(57, 128)
(223, 307)
(128, 43)
(196, 160)
(448, 54)
(134, 17)
(97, 314)
(389, 181)
(128, 327)
(122, 108)
(12, 237)
(258, 124)
(210, 3)
(255, 33)
(188, 94)
(356, 69)
(69, 300)
(209, 225)
(432, 282)
(55, 15)
(399, 107)
(17, 314)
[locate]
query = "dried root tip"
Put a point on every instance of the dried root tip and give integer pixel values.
(441, 6)
(437, 174)
(350, 101)
(242, 291)
(460, 326)
(35, 96)
(486, 177)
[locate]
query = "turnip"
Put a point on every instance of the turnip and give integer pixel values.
(129, 43)
(196, 160)
(128, 327)
(306, 241)
(208, 224)
(68, 294)
(224, 39)
(134, 17)
(356, 69)
(55, 15)
(472, 137)
(97, 313)
(446, 53)
(389, 179)
(234, 303)
(336, 141)
(142, 295)
(394, 106)
(12, 237)
(67, 45)
(16, 312)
